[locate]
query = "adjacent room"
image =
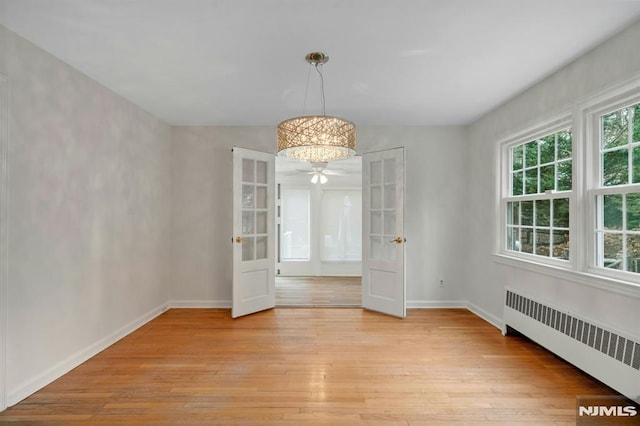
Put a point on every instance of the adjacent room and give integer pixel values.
(304, 212)
(319, 229)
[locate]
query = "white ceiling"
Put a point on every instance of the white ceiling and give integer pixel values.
(393, 62)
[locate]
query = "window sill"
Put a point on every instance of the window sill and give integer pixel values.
(612, 285)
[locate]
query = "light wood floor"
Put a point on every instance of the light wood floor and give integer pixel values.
(314, 366)
(318, 291)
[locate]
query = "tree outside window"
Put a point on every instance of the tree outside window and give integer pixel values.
(618, 197)
(537, 208)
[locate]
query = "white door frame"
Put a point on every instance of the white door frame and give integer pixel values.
(4, 254)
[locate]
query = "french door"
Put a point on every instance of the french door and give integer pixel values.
(253, 232)
(383, 245)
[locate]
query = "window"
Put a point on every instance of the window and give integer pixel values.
(341, 225)
(570, 191)
(296, 225)
(617, 195)
(539, 190)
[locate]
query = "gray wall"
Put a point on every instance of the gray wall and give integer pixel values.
(89, 205)
(201, 217)
(201, 227)
(609, 64)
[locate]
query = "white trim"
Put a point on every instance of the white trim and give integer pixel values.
(226, 304)
(436, 304)
(457, 304)
(4, 227)
(491, 319)
(543, 128)
(600, 282)
(71, 362)
(548, 126)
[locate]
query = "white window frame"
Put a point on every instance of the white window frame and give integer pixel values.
(584, 118)
(550, 126)
(593, 174)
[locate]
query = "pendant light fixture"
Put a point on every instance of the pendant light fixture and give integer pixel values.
(316, 138)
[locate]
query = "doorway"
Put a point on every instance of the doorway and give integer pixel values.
(319, 233)
(382, 226)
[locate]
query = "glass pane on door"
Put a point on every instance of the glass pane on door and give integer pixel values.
(389, 171)
(375, 173)
(376, 197)
(261, 222)
(261, 247)
(261, 172)
(247, 248)
(389, 196)
(248, 170)
(248, 200)
(261, 197)
(248, 222)
(390, 223)
(375, 249)
(376, 222)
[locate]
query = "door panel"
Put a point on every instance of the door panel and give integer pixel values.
(383, 242)
(253, 231)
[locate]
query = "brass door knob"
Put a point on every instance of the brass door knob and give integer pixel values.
(238, 239)
(398, 240)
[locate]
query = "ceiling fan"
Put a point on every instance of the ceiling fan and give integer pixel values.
(319, 172)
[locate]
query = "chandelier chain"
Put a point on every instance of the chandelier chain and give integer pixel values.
(318, 65)
(306, 91)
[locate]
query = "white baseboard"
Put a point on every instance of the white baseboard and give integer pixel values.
(199, 304)
(31, 386)
(491, 319)
(440, 304)
(434, 304)
(16, 395)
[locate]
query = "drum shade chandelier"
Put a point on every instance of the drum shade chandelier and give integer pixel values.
(316, 138)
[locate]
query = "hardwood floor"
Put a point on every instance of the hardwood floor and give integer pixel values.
(314, 366)
(319, 291)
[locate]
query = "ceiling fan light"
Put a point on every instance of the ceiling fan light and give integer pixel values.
(323, 179)
(314, 178)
